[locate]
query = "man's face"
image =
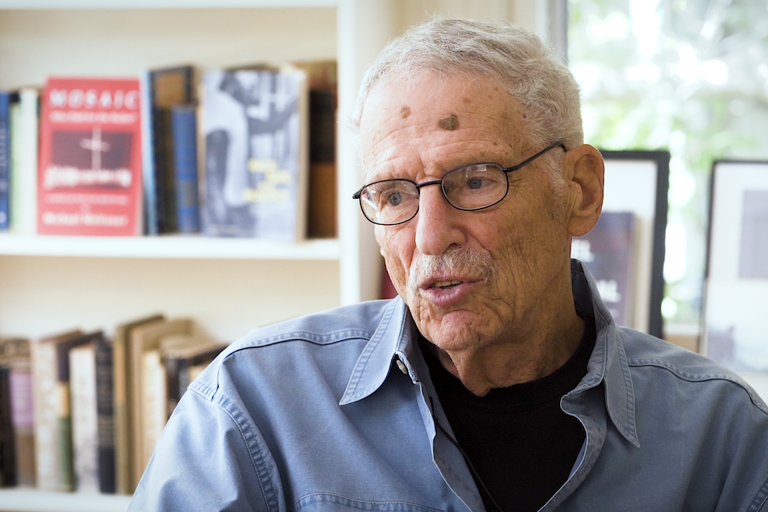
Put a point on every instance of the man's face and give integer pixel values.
(469, 278)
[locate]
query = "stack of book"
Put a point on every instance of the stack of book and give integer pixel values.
(247, 152)
(83, 412)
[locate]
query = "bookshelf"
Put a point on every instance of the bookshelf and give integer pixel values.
(48, 284)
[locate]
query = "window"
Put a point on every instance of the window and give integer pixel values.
(690, 76)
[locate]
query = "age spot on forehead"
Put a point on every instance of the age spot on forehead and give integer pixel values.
(405, 111)
(450, 122)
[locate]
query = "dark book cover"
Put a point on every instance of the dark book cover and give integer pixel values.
(178, 364)
(256, 156)
(167, 88)
(321, 207)
(5, 160)
(7, 448)
(184, 129)
(105, 414)
(15, 355)
(608, 251)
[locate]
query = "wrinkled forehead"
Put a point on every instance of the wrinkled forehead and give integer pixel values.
(439, 108)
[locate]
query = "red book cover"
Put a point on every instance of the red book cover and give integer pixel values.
(89, 181)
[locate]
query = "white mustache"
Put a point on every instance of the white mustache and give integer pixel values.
(456, 262)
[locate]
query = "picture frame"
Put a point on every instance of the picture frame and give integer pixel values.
(734, 321)
(636, 185)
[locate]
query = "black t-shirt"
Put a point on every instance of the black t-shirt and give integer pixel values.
(522, 445)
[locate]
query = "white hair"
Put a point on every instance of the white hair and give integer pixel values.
(517, 59)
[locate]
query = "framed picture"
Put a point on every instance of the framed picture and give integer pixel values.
(625, 251)
(735, 320)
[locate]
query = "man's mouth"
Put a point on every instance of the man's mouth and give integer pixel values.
(444, 285)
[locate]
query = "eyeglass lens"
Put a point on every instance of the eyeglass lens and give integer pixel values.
(472, 187)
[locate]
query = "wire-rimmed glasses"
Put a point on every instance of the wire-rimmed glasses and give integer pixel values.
(468, 188)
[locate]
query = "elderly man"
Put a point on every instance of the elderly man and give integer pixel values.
(498, 380)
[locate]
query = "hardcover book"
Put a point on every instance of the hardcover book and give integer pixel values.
(162, 89)
(184, 135)
(64, 408)
(181, 357)
(92, 419)
(7, 448)
(323, 103)
(90, 179)
(15, 355)
(46, 402)
(123, 401)
(143, 339)
(255, 129)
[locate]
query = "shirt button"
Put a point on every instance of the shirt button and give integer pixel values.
(402, 367)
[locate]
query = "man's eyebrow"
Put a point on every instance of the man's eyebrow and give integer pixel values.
(449, 122)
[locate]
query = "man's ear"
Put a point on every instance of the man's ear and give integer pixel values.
(585, 169)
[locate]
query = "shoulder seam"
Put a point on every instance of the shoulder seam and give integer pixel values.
(268, 491)
(700, 377)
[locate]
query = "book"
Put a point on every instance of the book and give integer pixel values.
(64, 408)
(89, 179)
(608, 251)
(154, 402)
(92, 416)
(15, 355)
(183, 357)
(46, 404)
(123, 402)
(25, 127)
(255, 129)
(7, 448)
(323, 104)
(5, 160)
(184, 135)
(143, 339)
(162, 89)
(166, 375)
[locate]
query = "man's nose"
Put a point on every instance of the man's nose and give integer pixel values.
(437, 223)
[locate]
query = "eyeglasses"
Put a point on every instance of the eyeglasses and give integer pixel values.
(468, 188)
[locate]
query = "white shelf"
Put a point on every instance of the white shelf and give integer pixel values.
(159, 4)
(174, 246)
(33, 500)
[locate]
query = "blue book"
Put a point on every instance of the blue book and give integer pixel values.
(147, 156)
(184, 132)
(5, 160)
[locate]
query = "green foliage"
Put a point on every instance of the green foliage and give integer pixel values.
(690, 76)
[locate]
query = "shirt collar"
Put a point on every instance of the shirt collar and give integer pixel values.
(608, 362)
(396, 337)
(393, 335)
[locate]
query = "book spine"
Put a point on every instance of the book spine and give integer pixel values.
(84, 419)
(174, 368)
(123, 452)
(24, 146)
(155, 403)
(184, 127)
(64, 437)
(22, 416)
(105, 410)
(7, 448)
(5, 161)
(44, 380)
(148, 160)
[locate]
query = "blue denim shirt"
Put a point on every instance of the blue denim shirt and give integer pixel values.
(332, 412)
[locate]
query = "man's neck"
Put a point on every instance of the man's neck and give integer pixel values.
(532, 354)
